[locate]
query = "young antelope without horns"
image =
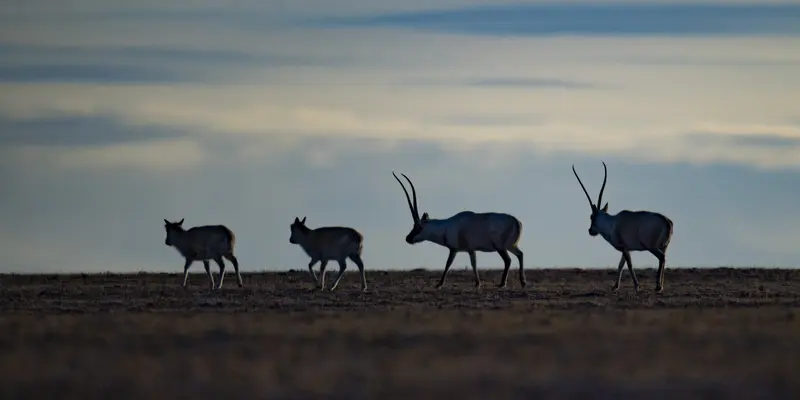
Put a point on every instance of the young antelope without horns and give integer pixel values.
(329, 243)
(203, 243)
(630, 231)
(468, 232)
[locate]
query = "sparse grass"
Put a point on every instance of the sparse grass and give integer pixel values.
(714, 332)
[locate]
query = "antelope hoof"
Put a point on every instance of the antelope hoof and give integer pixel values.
(240, 285)
(659, 289)
(523, 284)
(636, 288)
(501, 285)
(364, 290)
(615, 288)
(438, 286)
(477, 285)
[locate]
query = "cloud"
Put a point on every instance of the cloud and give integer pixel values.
(507, 82)
(204, 9)
(779, 61)
(77, 131)
(593, 19)
(532, 83)
(97, 143)
(254, 120)
(157, 156)
(788, 131)
(744, 140)
(762, 151)
(488, 120)
(148, 54)
(33, 73)
(134, 64)
(255, 94)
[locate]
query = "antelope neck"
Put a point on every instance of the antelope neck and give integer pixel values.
(434, 230)
(606, 225)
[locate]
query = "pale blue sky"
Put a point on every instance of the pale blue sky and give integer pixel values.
(249, 113)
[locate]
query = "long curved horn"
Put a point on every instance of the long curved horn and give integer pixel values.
(583, 187)
(414, 193)
(408, 199)
(603, 188)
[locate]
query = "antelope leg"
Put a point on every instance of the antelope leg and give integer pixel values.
(450, 258)
(342, 267)
(473, 260)
(507, 265)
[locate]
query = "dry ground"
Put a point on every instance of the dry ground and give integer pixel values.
(733, 333)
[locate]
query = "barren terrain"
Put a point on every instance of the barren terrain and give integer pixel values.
(713, 332)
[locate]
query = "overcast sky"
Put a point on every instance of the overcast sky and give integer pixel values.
(249, 113)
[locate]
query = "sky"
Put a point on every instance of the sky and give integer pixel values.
(249, 113)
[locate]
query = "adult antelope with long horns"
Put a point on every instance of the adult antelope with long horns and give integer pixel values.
(629, 231)
(468, 232)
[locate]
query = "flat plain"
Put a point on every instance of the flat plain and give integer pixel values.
(729, 333)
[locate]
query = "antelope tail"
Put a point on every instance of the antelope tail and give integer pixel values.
(665, 241)
(231, 238)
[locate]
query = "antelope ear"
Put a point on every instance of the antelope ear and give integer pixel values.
(303, 221)
(605, 207)
(424, 217)
(296, 220)
(165, 221)
(181, 221)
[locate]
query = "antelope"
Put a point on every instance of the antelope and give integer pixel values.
(329, 243)
(629, 231)
(203, 243)
(468, 232)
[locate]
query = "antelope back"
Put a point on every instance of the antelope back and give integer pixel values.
(490, 231)
(200, 242)
(644, 230)
(468, 230)
(336, 237)
(210, 241)
(333, 242)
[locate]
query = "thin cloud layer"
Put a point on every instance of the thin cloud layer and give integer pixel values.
(35, 73)
(596, 18)
(76, 131)
(603, 122)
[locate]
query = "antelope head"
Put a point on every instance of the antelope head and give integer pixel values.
(298, 229)
(172, 229)
(596, 211)
(413, 236)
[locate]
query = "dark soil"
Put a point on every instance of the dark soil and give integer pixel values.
(731, 333)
